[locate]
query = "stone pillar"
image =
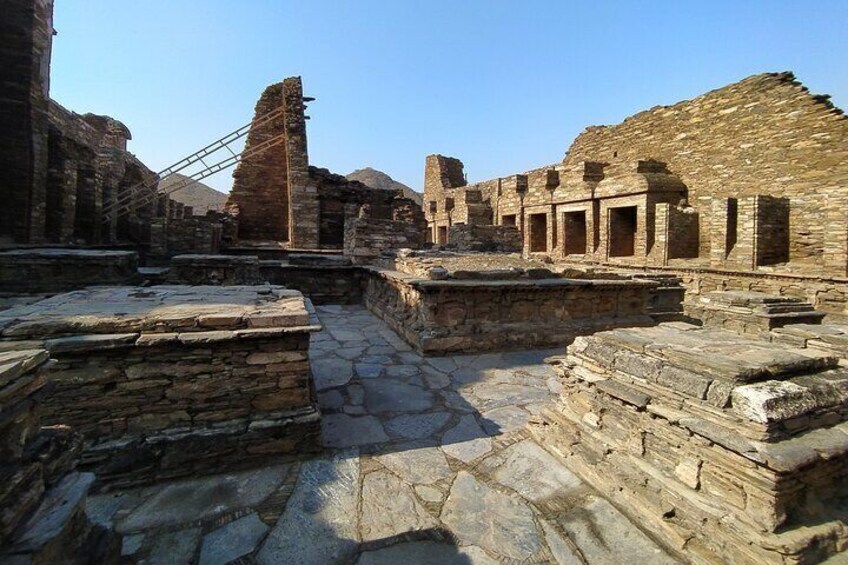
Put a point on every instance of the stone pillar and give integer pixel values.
(659, 254)
(26, 27)
(835, 248)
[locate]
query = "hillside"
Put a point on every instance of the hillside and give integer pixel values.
(378, 179)
(198, 195)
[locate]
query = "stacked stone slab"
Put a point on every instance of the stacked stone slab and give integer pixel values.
(752, 312)
(727, 448)
(42, 508)
(174, 380)
(826, 337)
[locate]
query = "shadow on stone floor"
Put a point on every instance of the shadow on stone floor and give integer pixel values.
(379, 395)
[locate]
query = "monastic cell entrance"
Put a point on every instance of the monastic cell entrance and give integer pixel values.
(622, 231)
(538, 233)
(574, 232)
(442, 235)
(508, 220)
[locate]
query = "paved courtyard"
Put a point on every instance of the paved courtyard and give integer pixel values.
(425, 461)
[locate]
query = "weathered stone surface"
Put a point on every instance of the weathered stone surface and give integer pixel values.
(531, 472)
(426, 552)
(234, 540)
(342, 430)
(560, 546)
(772, 400)
(417, 463)
(319, 523)
(203, 498)
(329, 372)
(174, 547)
(389, 508)
(54, 514)
(417, 426)
(496, 522)
(383, 396)
(466, 441)
(604, 535)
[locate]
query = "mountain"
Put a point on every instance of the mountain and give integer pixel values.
(378, 179)
(198, 195)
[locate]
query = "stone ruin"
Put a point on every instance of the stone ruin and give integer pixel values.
(326, 369)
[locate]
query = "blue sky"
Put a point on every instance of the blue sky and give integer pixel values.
(503, 85)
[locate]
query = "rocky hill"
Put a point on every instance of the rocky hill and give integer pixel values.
(198, 195)
(378, 179)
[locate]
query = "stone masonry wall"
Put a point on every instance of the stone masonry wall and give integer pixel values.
(128, 402)
(441, 317)
(765, 135)
(472, 237)
(261, 182)
(27, 31)
(366, 238)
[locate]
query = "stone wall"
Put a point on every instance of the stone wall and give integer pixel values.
(60, 270)
(323, 280)
(175, 236)
(261, 182)
(828, 295)
(60, 172)
(448, 316)
(749, 177)
(475, 237)
(27, 31)
(366, 238)
(196, 269)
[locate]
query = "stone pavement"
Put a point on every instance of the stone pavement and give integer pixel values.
(426, 461)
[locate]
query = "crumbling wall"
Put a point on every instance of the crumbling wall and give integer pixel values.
(175, 236)
(470, 237)
(272, 186)
(365, 238)
(260, 182)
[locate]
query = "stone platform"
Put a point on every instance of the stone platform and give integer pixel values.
(468, 315)
(727, 448)
(60, 270)
(752, 312)
(173, 380)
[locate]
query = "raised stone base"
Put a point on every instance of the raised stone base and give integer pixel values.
(438, 317)
(728, 449)
(175, 380)
(752, 312)
(60, 270)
